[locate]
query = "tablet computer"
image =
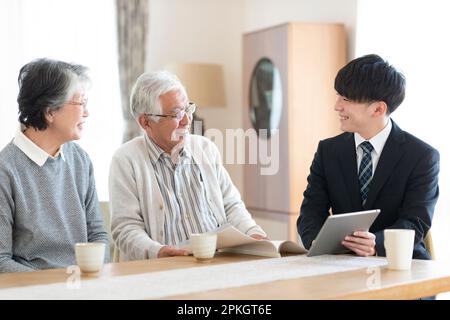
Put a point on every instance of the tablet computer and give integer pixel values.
(336, 227)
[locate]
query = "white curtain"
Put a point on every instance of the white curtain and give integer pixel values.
(81, 31)
(413, 36)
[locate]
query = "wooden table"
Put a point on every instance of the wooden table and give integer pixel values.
(426, 278)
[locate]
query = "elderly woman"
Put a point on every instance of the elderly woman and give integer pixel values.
(48, 200)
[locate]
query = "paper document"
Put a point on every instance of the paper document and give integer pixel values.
(230, 239)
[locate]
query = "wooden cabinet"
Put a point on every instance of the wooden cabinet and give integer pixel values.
(288, 87)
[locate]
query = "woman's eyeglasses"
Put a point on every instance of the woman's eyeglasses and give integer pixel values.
(79, 103)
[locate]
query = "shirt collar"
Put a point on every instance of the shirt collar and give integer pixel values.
(36, 154)
(155, 152)
(378, 141)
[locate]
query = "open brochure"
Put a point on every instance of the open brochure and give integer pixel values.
(230, 239)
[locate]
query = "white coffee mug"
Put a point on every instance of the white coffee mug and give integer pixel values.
(90, 256)
(203, 246)
(399, 245)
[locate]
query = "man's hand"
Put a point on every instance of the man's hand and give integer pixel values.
(168, 251)
(258, 236)
(361, 242)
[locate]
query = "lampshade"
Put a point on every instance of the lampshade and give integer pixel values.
(204, 83)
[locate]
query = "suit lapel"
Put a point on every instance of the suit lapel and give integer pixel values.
(347, 160)
(390, 155)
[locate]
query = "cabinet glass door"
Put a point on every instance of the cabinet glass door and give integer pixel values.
(266, 98)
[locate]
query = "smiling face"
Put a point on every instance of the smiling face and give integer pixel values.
(354, 116)
(67, 122)
(365, 118)
(168, 132)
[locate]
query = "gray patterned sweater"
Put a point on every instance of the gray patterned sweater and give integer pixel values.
(45, 210)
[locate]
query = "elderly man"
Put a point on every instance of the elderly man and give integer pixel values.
(167, 184)
(48, 200)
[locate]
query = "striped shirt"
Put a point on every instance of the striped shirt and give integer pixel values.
(183, 191)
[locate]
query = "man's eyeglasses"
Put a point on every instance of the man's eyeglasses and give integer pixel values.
(79, 103)
(189, 110)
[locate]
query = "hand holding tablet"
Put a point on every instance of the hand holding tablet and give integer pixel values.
(337, 227)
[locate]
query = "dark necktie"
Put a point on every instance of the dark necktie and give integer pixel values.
(365, 170)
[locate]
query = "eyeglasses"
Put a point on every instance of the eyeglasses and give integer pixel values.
(189, 110)
(79, 103)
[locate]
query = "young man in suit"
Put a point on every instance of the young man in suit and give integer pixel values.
(373, 164)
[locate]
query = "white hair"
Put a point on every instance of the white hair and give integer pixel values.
(147, 90)
(77, 82)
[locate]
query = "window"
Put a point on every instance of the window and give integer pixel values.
(79, 31)
(412, 35)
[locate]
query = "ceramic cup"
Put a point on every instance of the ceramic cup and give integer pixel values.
(203, 246)
(399, 244)
(90, 256)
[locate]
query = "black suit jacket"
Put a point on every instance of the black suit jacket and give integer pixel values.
(404, 187)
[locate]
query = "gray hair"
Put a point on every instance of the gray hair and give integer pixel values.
(147, 90)
(44, 85)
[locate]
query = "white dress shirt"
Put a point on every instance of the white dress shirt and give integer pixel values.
(378, 142)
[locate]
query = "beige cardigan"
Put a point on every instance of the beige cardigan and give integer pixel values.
(136, 203)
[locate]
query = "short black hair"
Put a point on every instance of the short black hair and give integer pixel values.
(370, 78)
(44, 85)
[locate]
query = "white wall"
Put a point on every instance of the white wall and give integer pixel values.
(210, 31)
